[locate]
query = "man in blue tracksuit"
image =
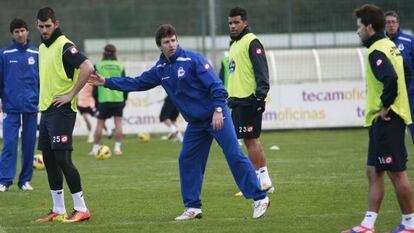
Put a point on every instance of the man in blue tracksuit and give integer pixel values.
(405, 43)
(193, 87)
(19, 92)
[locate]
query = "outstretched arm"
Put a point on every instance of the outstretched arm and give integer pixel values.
(146, 81)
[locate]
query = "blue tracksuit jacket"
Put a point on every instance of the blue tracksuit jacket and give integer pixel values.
(192, 85)
(405, 43)
(19, 91)
(19, 73)
(189, 81)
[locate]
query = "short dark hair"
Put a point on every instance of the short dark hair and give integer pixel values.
(164, 30)
(45, 14)
(238, 11)
(371, 14)
(109, 52)
(18, 23)
(393, 14)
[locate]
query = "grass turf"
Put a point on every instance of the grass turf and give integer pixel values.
(319, 177)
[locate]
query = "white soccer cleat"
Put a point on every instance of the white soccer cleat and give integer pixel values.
(190, 213)
(26, 186)
(260, 207)
(3, 188)
(118, 152)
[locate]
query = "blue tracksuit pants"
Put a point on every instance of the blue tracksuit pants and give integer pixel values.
(194, 154)
(8, 159)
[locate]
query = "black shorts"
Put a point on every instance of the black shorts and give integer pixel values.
(56, 128)
(108, 110)
(386, 149)
(89, 110)
(168, 111)
(247, 121)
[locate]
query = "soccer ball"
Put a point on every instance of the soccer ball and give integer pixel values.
(144, 137)
(104, 152)
(38, 162)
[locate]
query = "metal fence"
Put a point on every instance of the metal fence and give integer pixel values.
(82, 19)
(281, 24)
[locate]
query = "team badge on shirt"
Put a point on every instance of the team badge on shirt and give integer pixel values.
(31, 60)
(379, 62)
(73, 50)
(206, 66)
(232, 66)
(180, 72)
(259, 51)
(401, 47)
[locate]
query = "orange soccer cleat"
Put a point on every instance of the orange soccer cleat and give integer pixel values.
(78, 216)
(52, 217)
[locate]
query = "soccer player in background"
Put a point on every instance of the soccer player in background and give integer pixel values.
(19, 92)
(248, 85)
(63, 71)
(405, 43)
(199, 95)
(387, 114)
(87, 108)
(168, 115)
(111, 103)
(224, 69)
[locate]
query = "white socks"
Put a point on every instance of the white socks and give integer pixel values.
(263, 176)
(117, 146)
(179, 136)
(408, 220)
(95, 148)
(369, 219)
(79, 202)
(173, 129)
(58, 201)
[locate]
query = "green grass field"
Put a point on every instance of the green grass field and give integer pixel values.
(319, 177)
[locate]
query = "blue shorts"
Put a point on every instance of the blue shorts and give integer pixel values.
(386, 149)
